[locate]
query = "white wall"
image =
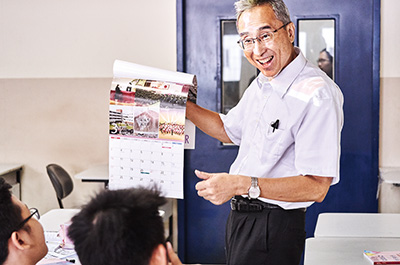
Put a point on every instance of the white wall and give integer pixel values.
(390, 53)
(389, 138)
(389, 151)
(75, 38)
(56, 61)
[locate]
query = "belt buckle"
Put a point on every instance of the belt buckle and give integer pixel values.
(244, 206)
(233, 204)
(240, 206)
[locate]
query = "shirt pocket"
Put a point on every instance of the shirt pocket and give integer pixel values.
(272, 148)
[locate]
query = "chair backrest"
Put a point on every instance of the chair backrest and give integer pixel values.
(61, 180)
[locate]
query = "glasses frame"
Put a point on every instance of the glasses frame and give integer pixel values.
(241, 44)
(33, 212)
(322, 60)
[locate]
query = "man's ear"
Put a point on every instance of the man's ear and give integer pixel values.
(159, 256)
(18, 240)
(291, 31)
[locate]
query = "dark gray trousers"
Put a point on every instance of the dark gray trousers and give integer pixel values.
(272, 237)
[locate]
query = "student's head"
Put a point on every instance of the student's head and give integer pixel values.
(325, 62)
(266, 34)
(21, 235)
(120, 227)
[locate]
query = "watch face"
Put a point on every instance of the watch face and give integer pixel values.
(254, 192)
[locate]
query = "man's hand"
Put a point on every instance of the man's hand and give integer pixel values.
(218, 188)
(173, 258)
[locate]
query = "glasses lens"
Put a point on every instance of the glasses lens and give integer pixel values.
(35, 213)
(249, 43)
(246, 44)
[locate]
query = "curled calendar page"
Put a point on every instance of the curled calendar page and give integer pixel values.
(148, 129)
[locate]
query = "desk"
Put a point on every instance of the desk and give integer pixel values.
(389, 190)
(98, 173)
(358, 225)
(12, 175)
(340, 250)
(52, 220)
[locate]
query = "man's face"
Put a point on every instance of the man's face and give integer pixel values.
(36, 234)
(324, 62)
(272, 57)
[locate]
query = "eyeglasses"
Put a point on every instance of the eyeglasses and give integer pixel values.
(322, 60)
(34, 213)
(247, 44)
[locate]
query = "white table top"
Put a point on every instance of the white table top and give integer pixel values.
(358, 225)
(52, 220)
(7, 168)
(98, 172)
(334, 251)
(390, 174)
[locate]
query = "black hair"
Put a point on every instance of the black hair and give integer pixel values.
(10, 217)
(330, 57)
(119, 227)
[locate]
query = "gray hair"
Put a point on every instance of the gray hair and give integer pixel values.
(278, 6)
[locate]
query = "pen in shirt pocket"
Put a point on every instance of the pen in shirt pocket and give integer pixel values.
(274, 125)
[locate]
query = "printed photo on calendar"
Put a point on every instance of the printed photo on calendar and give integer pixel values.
(147, 127)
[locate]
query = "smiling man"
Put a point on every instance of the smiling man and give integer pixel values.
(287, 126)
(21, 235)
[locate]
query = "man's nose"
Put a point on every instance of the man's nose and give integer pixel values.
(258, 48)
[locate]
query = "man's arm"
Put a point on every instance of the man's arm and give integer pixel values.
(208, 121)
(218, 188)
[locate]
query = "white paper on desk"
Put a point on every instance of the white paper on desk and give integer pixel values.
(52, 237)
(148, 127)
(60, 253)
(53, 261)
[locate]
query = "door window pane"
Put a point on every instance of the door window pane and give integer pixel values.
(237, 73)
(317, 42)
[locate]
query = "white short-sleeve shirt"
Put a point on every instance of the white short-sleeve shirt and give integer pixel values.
(309, 107)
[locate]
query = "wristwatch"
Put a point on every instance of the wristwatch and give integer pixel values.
(254, 191)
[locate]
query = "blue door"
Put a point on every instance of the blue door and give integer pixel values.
(356, 70)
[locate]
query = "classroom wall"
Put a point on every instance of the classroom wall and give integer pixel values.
(389, 140)
(56, 67)
(56, 61)
(81, 39)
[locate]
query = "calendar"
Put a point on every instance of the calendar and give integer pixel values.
(147, 127)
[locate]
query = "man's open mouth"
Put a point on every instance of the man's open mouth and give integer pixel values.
(266, 60)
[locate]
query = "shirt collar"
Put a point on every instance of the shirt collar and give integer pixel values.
(286, 77)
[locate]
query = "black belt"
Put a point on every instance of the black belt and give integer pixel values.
(242, 204)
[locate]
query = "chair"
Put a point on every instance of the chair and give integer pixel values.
(61, 180)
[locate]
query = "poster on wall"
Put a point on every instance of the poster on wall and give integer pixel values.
(148, 129)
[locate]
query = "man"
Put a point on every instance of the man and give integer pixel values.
(21, 235)
(122, 227)
(288, 125)
(325, 62)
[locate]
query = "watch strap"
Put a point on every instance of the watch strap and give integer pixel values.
(254, 182)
